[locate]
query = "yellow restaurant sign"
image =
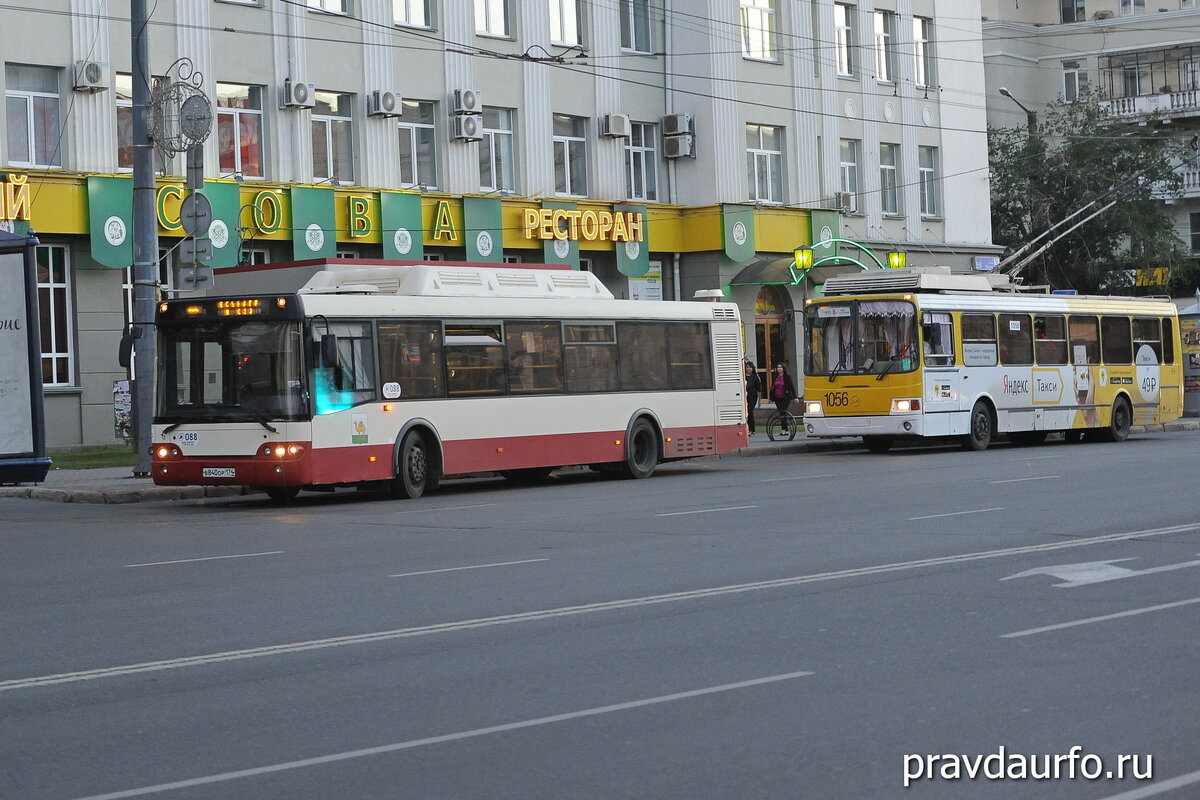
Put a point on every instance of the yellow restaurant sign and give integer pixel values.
(588, 224)
(15, 201)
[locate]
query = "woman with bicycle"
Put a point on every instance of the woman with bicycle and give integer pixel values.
(783, 392)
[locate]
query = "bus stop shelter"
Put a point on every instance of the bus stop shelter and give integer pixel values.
(22, 418)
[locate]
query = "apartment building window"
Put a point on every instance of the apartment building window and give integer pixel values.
(418, 154)
(885, 46)
(922, 52)
(123, 96)
(1072, 11)
(564, 22)
(332, 137)
(641, 162)
(849, 174)
(758, 29)
(332, 6)
(1189, 73)
(1187, 3)
(764, 163)
(843, 38)
(1129, 7)
(1075, 81)
(570, 156)
(635, 25)
(1135, 76)
(240, 129)
(1194, 220)
(31, 111)
(927, 168)
(54, 307)
(496, 151)
(411, 13)
(889, 178)
(491, 17)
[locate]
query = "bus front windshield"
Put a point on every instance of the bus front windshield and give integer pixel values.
(861, 337)
(230, 370)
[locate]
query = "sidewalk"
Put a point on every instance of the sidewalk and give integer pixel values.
(117, 484)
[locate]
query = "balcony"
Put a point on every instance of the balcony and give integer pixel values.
(1168, 104)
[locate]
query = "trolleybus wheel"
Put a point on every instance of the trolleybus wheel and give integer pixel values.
(878, 444)
(980, 434)
(282, 494)
(528, 475)
(414, 468)
(1122, 418)
(641, 450)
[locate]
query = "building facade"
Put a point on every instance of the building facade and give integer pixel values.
(666, 146)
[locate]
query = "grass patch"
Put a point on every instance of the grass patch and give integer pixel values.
(94, 459)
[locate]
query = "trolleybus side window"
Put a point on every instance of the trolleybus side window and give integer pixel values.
(1050, 339)
(691, 360)
(474, 359)
(410, 354)
(534, 357)
(1147, 333)
(1085, 340)
(1168, 332)
(1016, 339)
(937, 332)
(1115, 346)
(590, 357)
(642, 363)
(979, 340)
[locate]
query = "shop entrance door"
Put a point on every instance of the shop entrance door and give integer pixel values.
(771, 344)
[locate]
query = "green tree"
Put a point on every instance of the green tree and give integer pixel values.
(1080, 154)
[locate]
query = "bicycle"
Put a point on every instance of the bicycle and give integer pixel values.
(781, 426)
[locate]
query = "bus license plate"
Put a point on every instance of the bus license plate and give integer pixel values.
(218, 472)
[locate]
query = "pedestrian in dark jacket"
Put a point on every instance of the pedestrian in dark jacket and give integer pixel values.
(753, 392)
(783, 391)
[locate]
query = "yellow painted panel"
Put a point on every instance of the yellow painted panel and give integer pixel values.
(59, 204)
(700, 229)
(512, 217)
(781, 230)
(664, 229)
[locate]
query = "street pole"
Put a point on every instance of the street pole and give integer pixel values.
(145, 239)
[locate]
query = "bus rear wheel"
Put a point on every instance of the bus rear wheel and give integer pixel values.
(1122, 420)
(415, 470)
(641, 450)
(979, 435)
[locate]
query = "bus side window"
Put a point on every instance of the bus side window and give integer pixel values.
(1147, 333)
(1115, 344)
(590, 357)
(937, 333)
(1085, 340)
(1168, 337)
(535, 356)
(410, 354)
(1016, 339)
(690, 361)
(1050, 339)
(642, 359)
(979, 340)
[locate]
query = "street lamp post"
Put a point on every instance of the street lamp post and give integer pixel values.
(1030, 116)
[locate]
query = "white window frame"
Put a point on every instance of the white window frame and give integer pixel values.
(566, 22)
(843, 38)
(1077, 11)
(251, 113)
(848, 170)
(567, 148)
(1187, 3)
(332, 136)
(758, 29)
(32, 127)
(922, 52)
(57, 353)
(930, 186)
(764, 166)
(502, 140)
(885, 46)
(889, 179)
(412, 13)
(637, 34)
(491, 18)
(1131, 7)
(330, 6)
(1075, 81)
(408, 130)
(641, 162)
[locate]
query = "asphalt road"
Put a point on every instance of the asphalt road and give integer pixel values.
(796, 626)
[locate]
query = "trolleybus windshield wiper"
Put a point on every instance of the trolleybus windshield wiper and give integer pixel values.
(840, 366)
(886, 369)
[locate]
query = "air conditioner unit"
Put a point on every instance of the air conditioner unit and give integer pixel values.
(466, 101)
(676, 124)
(298, 94)
(678, 146)
(468, 127)
(614, 125)
(91, 76)
(381, 103)
(843, 200)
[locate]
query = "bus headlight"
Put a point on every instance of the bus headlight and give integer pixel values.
(906, 405)
(812, 407)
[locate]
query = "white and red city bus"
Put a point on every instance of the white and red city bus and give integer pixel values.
(395, 376)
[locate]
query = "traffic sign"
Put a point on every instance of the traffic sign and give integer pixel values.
(195, 250)
(195, 214)
(195, 277)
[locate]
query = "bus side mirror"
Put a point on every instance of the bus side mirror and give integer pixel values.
(329, 350)
(125, 350)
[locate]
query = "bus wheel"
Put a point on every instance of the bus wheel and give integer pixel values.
(528, 475)
(980, 434)
(414, 472)
(878, 444)
(641, 450)
(1122, 418)
(282, 494)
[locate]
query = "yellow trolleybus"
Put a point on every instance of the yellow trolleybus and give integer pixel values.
(922, 352)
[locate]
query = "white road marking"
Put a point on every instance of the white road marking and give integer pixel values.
(448, 737)
(1158, 787)
(209, 558)
(796, 478)
(957, 513)
(704, 511)
(566, 611)
(1034, 458)
(443, 508)
(474, 566)
(1131, 613)
(1034, 478)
